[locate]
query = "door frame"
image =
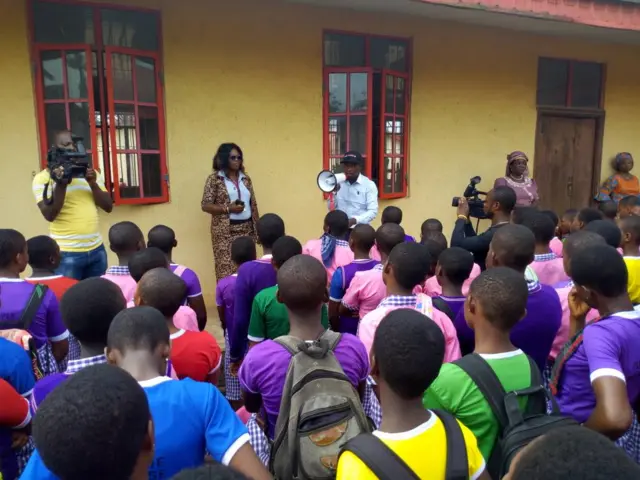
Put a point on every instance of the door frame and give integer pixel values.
(598, 115)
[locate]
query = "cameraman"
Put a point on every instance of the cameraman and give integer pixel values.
(497, 207)
(73, 216)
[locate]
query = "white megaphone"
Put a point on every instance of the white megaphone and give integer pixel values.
(328, 181)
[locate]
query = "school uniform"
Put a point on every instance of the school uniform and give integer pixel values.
(549, 268)
(195, 355)
(225, 297)
(342, 254)
(433, 288)
(190, 279)
(120, 276)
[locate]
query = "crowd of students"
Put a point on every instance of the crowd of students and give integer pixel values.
(116, 377)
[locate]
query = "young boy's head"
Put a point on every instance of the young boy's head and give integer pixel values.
(302, 286)
(97, 425)
(553, 217)
(161, 289)
(210, 472)
(143, 334)
(430, 225)
(520, 214)
(163, 238)
(454, 266)
(629, 205)
(392, 214)
(284, 248)
(44, 253)
(362, 238)
(270, 228)
(512, 246)
(407, 353)
(436, 243)
(576, 242)
(125, 238)
(567, 220)
(599, 274)
(243, 250)
(609, 209)
(14, 255)
(497, 299)
(146, 259)
(336, 223)
(388, 236)
(585, 217)
(630, 227)
(88, 308)
(542, 227)
(607, 230)
(408, 265)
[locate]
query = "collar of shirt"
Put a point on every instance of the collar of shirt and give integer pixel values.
(544, 257)
(378, 267)
(76, 365)
(221, 173)
(399, 301)
(118, 270)
(341, 243)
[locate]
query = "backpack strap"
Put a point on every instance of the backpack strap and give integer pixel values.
(290, 343)
(457, 459)
(381, 460)
(294, 345)
(30, 309)
(444, 307)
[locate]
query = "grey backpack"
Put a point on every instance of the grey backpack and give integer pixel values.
(320, 411)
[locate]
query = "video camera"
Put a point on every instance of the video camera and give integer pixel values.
(65, 165)
(472, 194)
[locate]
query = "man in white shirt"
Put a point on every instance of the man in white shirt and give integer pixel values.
(356, 195)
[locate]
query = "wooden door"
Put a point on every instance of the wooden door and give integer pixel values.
(564, 161)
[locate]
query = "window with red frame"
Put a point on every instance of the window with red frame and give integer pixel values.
(366, 106)
(569, 83)
(98, 72)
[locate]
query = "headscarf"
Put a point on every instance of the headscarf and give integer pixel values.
(620, 157)
(328, 248)
(512, 157)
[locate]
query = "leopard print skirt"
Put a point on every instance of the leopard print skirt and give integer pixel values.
(222, 236)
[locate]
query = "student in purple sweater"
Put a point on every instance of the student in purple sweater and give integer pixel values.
(253, 277)
(513, 246)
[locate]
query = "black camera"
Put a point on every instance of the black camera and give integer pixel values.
(68, 164)
(239, 202)
(472, 194)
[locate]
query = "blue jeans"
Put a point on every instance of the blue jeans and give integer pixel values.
(81, 265)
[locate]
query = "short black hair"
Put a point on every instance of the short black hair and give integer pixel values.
(163, 290)
(542, 227)
(138, 328)
(125, 237)
(392, 214)
(588, 215)
(435, 248)
(502, 293)
(607, 230)
(600, 268)
(570, 213)
(629, 201)
(285, 248)
(210, 472)
(431, 224)
(12, 244)
(146, 259)
(89, 307)
(581, 240)
(243, 250)
(552, 215)
(408, 348)
(41, 249)
(363, 236)
(162, 237)
(631, 224)
(506, 197)
(411, 264)
(302, 283)
(270, 228)
(337, 223)
(514, 245)
(456, 264)
(521, 214)
(609, 209)
(574, 452)
(93, 425)
(388, 236)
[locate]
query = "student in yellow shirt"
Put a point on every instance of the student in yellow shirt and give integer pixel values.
(407, 353)
(630, 227)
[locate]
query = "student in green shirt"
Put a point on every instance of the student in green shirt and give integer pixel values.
(496, 303)
(269, 317)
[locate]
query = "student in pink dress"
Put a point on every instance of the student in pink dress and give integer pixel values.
(125, 239)
(407, 266)
(367, 288)
(547, 266)
(436, 242)
(332, 249)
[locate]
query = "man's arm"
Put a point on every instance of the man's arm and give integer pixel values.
(57, 191)
(372, 205)
(101, 197)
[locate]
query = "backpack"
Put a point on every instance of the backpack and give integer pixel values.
(387, 465)
(319, 412)
(516, 428)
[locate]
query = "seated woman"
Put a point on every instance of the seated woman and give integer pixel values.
(622, 183)
(517, 177)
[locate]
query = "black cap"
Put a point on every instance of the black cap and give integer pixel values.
(352, 157)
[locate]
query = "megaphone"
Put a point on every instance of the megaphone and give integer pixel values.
(328, 181)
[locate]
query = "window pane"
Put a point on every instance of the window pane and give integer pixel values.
(401, 107)
(397, 177)
(122, 81)
(358, 133)
(77, 75)
(359, 92)
(128, 28)
(52, 76)
(390, 127)
(62, 23)
(337, 136)
(55, 119)
(398, 137)
(344, 50)
(79, 119)
(125, 125)
(149, 131)
(335, 165)
(151, 175)
(586, 84)
(337, 92)
(553, 75)
(388, 175)
(129, 181)
(146, 79)
(388, 94)
(389, 54)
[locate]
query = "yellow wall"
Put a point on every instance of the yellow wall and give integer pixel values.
(243, 72)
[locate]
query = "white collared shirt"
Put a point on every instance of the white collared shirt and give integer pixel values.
(358, 200)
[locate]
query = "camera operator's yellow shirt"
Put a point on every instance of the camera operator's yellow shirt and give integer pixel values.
(75, 229)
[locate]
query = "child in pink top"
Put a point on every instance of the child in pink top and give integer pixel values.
(433, 288)
(546, 265)
(406, 267)
(556, 246)
(332, 249)
(125, 239)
